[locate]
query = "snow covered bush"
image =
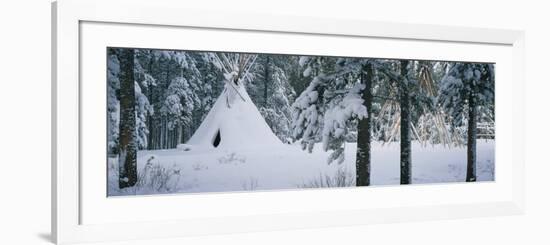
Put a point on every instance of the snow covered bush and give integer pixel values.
(159, 178)
(154, 177)
(232, 158)
(341, 178)
(250, 184)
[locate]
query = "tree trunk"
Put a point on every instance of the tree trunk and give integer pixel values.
(181, 138)
(363, 155)
(151, 101)
(127, 142)
(166, 135)
(162, 134)
(404, 104)
(472, 136)
(157, 134)
(266, 81)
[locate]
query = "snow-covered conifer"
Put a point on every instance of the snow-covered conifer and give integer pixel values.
(465, 88)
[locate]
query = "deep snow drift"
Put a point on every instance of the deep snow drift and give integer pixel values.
(287, 166)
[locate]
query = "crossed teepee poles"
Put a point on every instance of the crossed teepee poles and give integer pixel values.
(236, 67)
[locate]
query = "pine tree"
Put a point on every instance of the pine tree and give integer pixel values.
(179, 105)
(405, 141)
(465, 88)
(329, 107)
(309, 106)
(405, 83)
(272, 82)
(144, 110)
(113, 107)
(127, 141)
(364, 129)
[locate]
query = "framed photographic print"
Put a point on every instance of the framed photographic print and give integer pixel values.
(183, 121)
(168, 125)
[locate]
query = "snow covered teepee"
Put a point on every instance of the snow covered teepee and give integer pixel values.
(234, 121)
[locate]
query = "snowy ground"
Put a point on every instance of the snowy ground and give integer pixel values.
(287, 166)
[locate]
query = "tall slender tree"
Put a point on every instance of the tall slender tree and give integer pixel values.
(465, 88)
(127, 141)
(472, 134)
(405, 142)
(266, 80)
(337, 104)
(363, 155)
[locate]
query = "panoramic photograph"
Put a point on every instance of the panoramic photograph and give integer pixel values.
(183, 121)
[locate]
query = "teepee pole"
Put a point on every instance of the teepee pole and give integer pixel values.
(236, 90)
(228, 63)
(223, 66)
(250, 65)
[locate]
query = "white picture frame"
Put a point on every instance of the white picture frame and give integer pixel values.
(70, 197)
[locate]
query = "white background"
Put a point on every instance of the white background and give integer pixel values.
(25, 122)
